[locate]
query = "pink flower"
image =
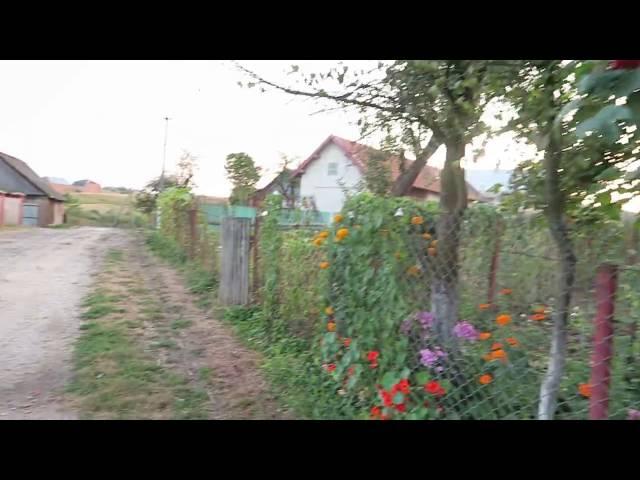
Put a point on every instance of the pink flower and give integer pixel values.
(634, 414)
(465, 330)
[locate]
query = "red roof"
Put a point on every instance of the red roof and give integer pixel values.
(428, 179)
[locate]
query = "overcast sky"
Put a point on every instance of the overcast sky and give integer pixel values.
(103, 120)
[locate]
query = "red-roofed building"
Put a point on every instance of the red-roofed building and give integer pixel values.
(338, 166)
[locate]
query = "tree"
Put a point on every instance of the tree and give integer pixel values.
(559, 103)
(146, 199)
(284, 183)
(187, 166)
(243, 174)
(423, 105)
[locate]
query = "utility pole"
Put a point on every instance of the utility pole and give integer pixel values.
(164, 161)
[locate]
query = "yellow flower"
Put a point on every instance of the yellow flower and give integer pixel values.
(324, 265)
(328, 310)
(413, 270)
(338, 218)
(418, 220)
(342, 233)
(323, 234)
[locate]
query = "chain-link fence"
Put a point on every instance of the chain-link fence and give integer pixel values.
(425, 315)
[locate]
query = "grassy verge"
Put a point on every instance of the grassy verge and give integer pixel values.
(199, 281)
(115, 376)
(291, 367)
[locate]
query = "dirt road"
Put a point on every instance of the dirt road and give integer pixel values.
(44, 274)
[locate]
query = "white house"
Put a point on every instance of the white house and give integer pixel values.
(337, 167)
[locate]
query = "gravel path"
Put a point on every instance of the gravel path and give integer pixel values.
(44, 276)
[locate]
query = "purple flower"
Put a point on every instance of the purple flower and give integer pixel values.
(426, 319)
(634, 414)
(428, 357)
(465, 330)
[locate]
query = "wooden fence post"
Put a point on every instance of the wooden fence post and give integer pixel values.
(606, 284)
(193, 233)
(495, 260)
(256, 259)
(234, 280)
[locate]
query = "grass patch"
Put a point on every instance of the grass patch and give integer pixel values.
(180, 323)
(114, 255)
(165, 343)
(290, 365)
(205, 374)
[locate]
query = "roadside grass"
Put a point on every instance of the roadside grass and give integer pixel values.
(114, 376)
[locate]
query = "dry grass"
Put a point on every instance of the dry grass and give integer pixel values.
(119, 199)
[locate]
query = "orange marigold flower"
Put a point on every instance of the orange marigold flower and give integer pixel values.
(484, 306)
(506, 291)
(318, 241)
(538, 317)
(342, 233)
(338, 218)
(324, 265)
(503, 319)
(487, 357)
(331, 326)
(323, 234)
(485, 379)
(328, 310)
(426, 236)
(513, 341)
(585, 390)
(417, 220)
(432, 251)
(496, 346)
(413, 270)
(484, 336)
(346, 342)
(499, 354)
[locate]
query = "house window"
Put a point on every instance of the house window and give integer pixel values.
(332, 169)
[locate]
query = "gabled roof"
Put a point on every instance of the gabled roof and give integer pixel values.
(428, 179)
(32, 177)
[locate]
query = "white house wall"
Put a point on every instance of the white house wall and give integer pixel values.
(327, 190)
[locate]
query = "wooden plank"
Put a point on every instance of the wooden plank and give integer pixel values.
(234, 262)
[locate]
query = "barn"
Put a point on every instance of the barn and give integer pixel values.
(39, 204)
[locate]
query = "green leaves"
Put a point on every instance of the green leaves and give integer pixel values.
(389, 380)
(605, 122)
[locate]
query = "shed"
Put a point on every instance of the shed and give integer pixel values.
(42, 205)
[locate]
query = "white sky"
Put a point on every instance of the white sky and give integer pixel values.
(103, 120)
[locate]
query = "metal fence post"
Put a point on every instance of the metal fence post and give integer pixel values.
(606, 284)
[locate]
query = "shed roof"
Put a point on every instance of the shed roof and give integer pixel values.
(32, 177)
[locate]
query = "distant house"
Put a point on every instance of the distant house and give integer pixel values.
(41, 205)
(484, 180)
(338, 166)
(88, 186)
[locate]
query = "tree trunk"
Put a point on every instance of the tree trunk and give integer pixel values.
(453, 202)
(560, 234)
(402, 185)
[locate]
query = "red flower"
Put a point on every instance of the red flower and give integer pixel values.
(434, 388)
(387, 398)
(350, 371)
(402, 386)
(401, 407)
(376, 412)
(346, 342)
(624, 64)
(331, 367)
(372, 356)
